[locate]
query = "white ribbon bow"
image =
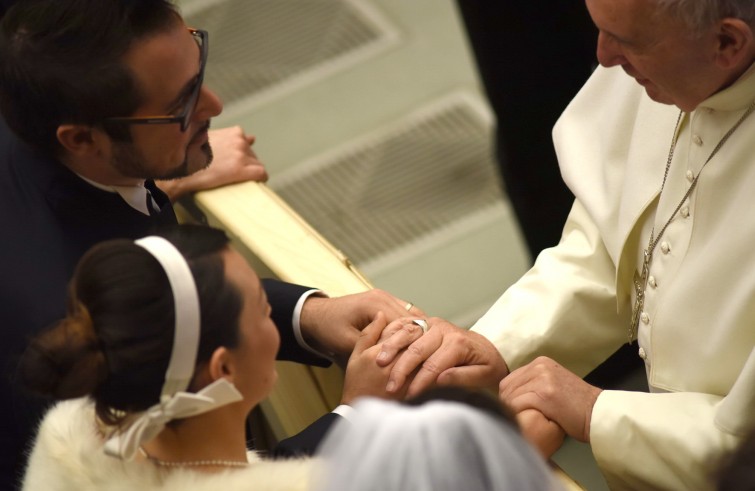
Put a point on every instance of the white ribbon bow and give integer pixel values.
(180, 405)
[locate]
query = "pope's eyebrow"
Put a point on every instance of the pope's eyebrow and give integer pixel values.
(616, 37)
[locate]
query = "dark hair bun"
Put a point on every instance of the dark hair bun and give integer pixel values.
(66, 361)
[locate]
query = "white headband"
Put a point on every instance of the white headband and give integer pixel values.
(174, 402)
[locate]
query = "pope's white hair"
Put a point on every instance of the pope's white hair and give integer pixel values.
(700, 14)
(437, 446)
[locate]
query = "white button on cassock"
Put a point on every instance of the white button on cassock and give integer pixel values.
(698, 141)
(652, 283)
(645, 317)
(690, 176)
(665, 247)
(642, 354)
(684, 212)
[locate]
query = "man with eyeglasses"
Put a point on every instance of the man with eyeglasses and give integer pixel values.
(99, 98)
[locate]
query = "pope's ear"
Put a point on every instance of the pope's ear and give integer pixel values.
(221, 364)
(735, 43)
(82, 140)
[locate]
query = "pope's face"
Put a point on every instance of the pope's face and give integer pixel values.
(673, 64)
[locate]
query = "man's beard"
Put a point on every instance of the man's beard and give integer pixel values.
(130, 162)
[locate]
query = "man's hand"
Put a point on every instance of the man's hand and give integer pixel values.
(556, 392)
(332, 325)
(234, 161)
(446, 355)
(542, 433)
(363, 376)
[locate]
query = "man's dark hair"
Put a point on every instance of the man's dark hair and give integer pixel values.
(471, 397)
(61, 62)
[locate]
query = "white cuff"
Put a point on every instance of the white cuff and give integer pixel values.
(345, 411)
(296, 322)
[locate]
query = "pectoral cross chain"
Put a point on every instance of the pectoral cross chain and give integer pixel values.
(641, 280)
(640, 284)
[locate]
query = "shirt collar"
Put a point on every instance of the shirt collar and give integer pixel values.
(737, 96)
(135, 196)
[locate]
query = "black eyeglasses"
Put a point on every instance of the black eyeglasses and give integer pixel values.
(187, 108)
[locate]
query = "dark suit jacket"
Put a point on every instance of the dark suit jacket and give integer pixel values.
(49, 218)
(308, 441)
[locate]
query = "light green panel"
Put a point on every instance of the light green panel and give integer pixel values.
(430, 60)
(463, 276)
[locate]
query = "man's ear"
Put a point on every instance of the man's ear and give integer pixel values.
(82, 140)
(735, 43)
(221, 364)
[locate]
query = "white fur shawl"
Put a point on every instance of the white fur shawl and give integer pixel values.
(68, 456)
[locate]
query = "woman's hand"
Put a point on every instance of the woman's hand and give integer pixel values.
(363, 375)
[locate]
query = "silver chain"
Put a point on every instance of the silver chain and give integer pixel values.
(640, 281)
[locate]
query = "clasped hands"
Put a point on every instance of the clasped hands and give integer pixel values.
(392, 358)
(549, 400)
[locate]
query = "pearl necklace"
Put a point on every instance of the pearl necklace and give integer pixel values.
(193, 463)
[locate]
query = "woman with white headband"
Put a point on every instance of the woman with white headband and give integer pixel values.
(167, 347)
